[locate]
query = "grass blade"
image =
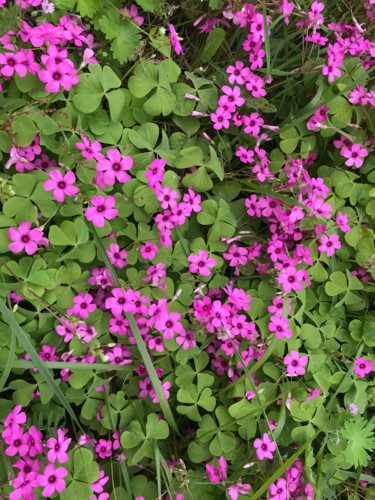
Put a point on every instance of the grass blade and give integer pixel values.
(36, 361)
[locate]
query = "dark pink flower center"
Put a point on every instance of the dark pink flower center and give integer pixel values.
(25, 238)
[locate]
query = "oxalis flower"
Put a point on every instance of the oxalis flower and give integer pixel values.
(264, 447)
(25, 238)
(102, 209)
(52, 479)
(201, 263)
(61, 185)
(295, 364)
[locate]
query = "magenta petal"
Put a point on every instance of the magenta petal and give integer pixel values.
(111, 213)
(49, 185)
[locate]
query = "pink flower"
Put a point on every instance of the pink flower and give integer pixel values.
(329, 244)
(237, 73)
(120, 301)
(186, 340)
(116, 256)
(253, 124)
(264, 447)
(355, 154)
(245, 155)
(280, 326)
(58, 447)
(62, 185)
(52, 479)
(236, 255)
(48, 353)
(18, 442)
(295, 363)
(155, 173)
(104, 448)
(97, 486)
(25, 238)
(221, 118)
(13, 63)
(342, 222)
(231, 98)
(115, 168)
(217, 474)
(90, 150)
(291, 279)
(278, 490)
(15, 417)
(201, 263)
(169, 324)
(149, 250)
(132, 11)
(175, 42)
(35, 441)
(363, 366)
(59, 75)
(102, 209)
(82, 305)
(314, 394)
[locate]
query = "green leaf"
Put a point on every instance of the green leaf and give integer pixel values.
(116, 101)
(24, 130)
(156, 428)
(88, 93)
(145, 137)
(191, 157)
(63, 235)
(149, 5)
(85, 469)
(162, 102)
(144, 79)
(88, 7)
(110, 79)
(131, 438)
(213, 42)
(337, 284)
(124, 36)
(200, 181)
(359, 434)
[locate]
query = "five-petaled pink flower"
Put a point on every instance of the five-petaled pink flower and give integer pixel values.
(115, 168)
(82, 305)
(355, 154)
(52, 479)
(61, 185)
(25, 238)
(329, 244)
(363, 366)
(201, 263)
(102, 209)
(264, 447)
(295, 364)
(58, 447)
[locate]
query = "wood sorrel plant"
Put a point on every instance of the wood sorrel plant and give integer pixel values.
(187, 249)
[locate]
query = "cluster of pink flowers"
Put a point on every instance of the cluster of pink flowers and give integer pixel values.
(218, 474)
(53, 68)
(29, 446)
(40, 458)
(293, 486)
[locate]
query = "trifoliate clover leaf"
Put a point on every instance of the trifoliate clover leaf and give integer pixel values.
(360, 438)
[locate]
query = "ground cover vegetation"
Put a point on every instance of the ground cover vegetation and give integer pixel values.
(187, 254)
